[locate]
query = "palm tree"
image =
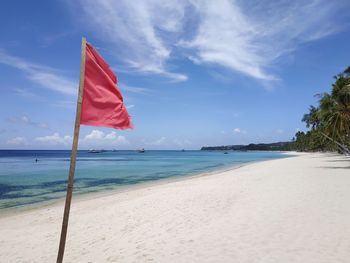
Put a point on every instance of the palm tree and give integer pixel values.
(332, 118)
(334, 111)
(311, 119)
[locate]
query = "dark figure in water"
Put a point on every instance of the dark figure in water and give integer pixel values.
(36, 160)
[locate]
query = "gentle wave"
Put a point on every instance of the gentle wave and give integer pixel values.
(23, 181)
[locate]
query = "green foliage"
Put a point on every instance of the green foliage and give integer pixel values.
(277, 146)
(329, 123)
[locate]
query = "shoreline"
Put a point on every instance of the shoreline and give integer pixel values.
(282, 210)
(6, 212)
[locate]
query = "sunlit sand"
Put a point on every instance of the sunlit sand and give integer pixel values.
(287, 210)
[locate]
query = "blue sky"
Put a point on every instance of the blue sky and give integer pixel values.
(193, 73)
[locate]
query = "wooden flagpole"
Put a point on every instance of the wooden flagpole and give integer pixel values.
(73, 155)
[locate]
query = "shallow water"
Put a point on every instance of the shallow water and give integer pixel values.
(23, 181)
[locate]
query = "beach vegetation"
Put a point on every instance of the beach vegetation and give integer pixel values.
(329, 121)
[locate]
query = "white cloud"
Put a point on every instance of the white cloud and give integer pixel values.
(24, 119)
(95, 135)
(49, 78)
(25, 93)
(244, 36)
(279, 131)
(225, 37)
(133, 89)
(159, 142)
(17, 141)
(27, 121)
(248, 37)
(138, 26)
(44, 76)
(48, 40)
(130, 106)
(168, 143)
(55, 139)
(238, 130)
(182, 142)
(97, 138)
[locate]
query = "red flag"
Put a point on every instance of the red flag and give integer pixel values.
(102, 100)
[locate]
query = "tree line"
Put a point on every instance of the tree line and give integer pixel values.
(328, 123)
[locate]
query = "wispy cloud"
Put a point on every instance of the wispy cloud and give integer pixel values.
(239, 131)
(49, 78)
(248, 37)
(279, 131)
(158, 142)
(168, 143)
(17, 141)
(54, 139)
(133, 89)
(26, 121)
(182, 142)
(140, 26)
(97, 138)
(130, 106)
(48, 40)
(25, 93)
(45, 76)
(225, 37)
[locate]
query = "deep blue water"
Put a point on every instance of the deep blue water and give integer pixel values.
(23, 181)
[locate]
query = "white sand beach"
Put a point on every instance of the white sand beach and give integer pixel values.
(287, 210)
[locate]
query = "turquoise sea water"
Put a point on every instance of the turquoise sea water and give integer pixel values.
(23, 181)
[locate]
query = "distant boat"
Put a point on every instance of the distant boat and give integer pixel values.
(94, 151)
(225, 152)
(182, 150)
(141, 150)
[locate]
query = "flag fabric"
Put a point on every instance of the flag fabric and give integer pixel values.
(102, 103)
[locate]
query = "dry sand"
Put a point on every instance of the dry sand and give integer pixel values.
(287, 210)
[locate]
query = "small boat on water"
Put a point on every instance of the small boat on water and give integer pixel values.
(141, 150)
(94, 151)
(225, 152)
